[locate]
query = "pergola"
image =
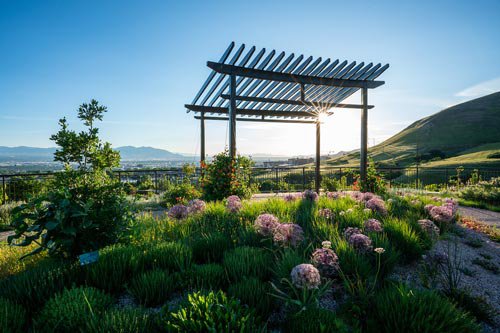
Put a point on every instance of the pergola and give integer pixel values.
(272, 87)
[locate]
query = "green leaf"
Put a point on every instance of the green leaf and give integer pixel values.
(51, 225)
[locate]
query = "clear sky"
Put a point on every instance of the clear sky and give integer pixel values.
(145, 59)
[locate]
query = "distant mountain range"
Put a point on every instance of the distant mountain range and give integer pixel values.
(128, 153)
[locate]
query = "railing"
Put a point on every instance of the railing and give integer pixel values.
(19, 187)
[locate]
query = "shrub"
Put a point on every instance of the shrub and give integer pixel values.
(475, 305)
(181, 193)
(399, 309)
(403, 238)
(483, 192)
(123, 321)
(72, 309)
(12, 316)
(225, 176)
(207, 276)
(212, 312)
(315, 321)
(153, 288)
(254, 293)
(172, 256)
(210, 248)
(247, 261)
(287, 260)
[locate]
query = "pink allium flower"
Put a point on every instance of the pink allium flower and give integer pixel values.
(178, 212)
(335, 195)
(361, 242)
(310, 195)
(305, 276)
(430, 228)
(377, 205)
(442, 214)
(196, 206)
(373, 225)
(290, 197)
(288, 234)
(233, 204)
(265, 224)
(356, 195)
(349, 231)
(326, 213)
(368, 196)
(428, 208)
(326, 261)
(379, 250)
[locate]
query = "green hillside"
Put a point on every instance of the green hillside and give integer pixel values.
(466, 133)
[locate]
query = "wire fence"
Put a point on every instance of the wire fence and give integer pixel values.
(20, 187)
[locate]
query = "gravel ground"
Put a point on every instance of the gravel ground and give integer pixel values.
(482, 215)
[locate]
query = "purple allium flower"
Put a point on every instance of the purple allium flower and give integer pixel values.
(361, 242)
(373, 225)
(349, 231)
(290, 197)
(310, 195)
(356, 195)
(335, 195)
(452, 204)
(233, 204)
(305, 276)
(265, 224)
(196, 206)
(368, 196)
(326, 261)
(430, 228)
(288, 234)
(178, 212)
(326, 213)
(442, 214)
(428, 208)
(377, 205)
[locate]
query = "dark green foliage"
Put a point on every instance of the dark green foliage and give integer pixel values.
(212, 312)
(475, 305)
(206, 276)
(403, 238)
(116, 265)
(399, 309)
(315, 321)
(33, 287)
(247, 261)
(254, 293)
(122, 321)
(389, 259)
(224, 176)
(154, 288)
(484, 192)
(286, 261)
(172, 256)
(12, 317)
(72, 309)
(181, 193)
(210, 247)
(352, 262)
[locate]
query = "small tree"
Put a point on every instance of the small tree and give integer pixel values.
(85, 208)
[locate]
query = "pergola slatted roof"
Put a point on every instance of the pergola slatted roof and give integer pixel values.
(274, 85)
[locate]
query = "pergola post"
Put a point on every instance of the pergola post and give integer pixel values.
(364, 134)
(232, 116)
(318, 157)
(202, 138)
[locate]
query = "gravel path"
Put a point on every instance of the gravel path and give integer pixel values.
(481, 215)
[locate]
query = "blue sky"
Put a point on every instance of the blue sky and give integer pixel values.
(146, 59)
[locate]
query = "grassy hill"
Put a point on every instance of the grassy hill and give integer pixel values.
(466, 134)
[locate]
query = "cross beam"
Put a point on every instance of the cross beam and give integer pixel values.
(300, 103)
(260, 120)
(291, 78)
(251, 112)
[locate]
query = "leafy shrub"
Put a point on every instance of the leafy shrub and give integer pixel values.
(153, 288)
(247, 261)
(331, 184)
(115, 266)
(483, 191)
(26, 187)
(315, 321)
(6, 214)
(12, 317)
(181, 193)
(399, 309)
(207, 276)
(475, 305)
(254, 293)
(270, 185)
(72, 309)
(224, 177)
(287, 260)
(212, 312)
(210, 248)
(85, 209)
(172, 256)
(403, 238)
(122, 321)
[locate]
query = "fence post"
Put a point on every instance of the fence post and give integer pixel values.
(446, 178)
(3, 190)
(156, 182)
(119, 177)
(418, 179)
(277, 181)
(303, 178)
(390, 177)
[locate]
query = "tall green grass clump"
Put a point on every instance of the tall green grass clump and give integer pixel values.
(172, 256)
(315, 320)
(206, 276)
(400, 309)
(247, 261)
(285, 262)
(404, 238)
(123, 321)
(154, 288)
(254, 293)
(12, 317)
(210, 247)
(72, 309)
(212, 312)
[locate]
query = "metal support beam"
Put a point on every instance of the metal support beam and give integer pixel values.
(302, 93)
(202, 139)
(251, 112)
(261, 120)
(318, 157)
(364, 135)
(315, 104)
(232, 117)
(292, 78)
